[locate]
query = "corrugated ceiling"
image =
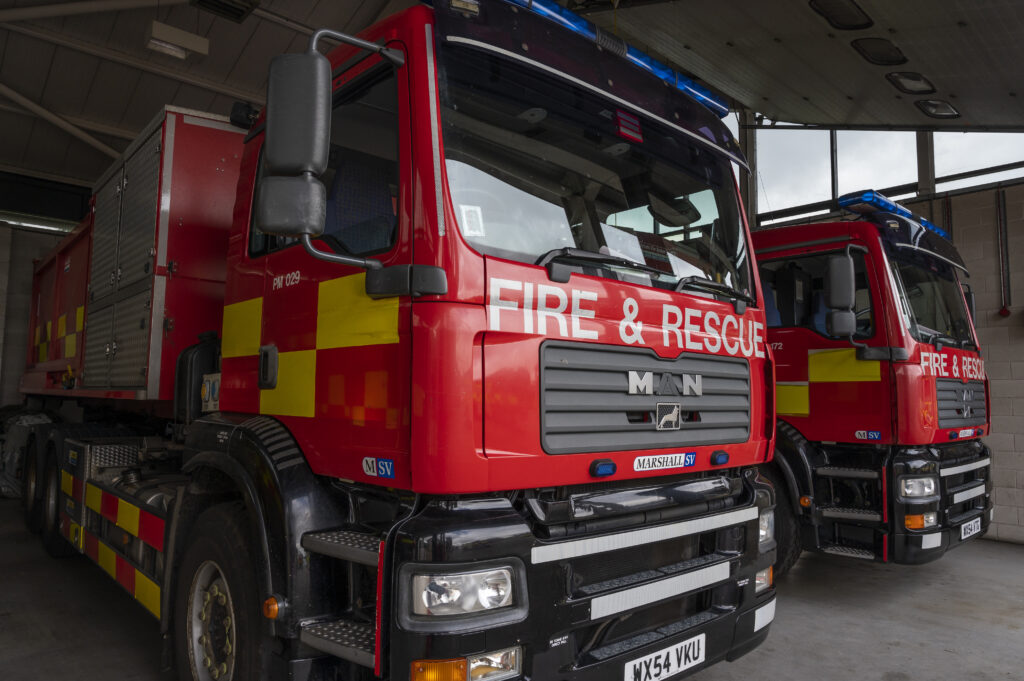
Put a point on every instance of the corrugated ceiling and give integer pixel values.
(779, 58)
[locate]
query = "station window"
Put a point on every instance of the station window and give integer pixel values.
(794, 291)
(362, 171)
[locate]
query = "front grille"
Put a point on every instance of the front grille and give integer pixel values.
(963, 468)
(960, 404)
(586, 405)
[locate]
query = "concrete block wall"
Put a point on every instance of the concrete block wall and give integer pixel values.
(1002, 338)
(18, 249)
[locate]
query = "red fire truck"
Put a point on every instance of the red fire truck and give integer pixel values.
(880, 387)
(451, 366)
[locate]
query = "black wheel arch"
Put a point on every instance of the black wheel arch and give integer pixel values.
(794, 458)
(257, 460)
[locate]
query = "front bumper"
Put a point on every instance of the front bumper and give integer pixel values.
(595, 601)
(963, 505)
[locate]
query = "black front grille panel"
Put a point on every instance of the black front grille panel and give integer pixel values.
(960, 404)
(586, 405)
(954, 458)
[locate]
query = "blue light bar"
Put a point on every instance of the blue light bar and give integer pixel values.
(869, 202)
(571, 21)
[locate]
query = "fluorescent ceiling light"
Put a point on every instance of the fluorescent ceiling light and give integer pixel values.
(175, 42)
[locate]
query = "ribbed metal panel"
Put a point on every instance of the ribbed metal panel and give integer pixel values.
(960, 404)
(586, 405)
(138, 212)
(98, 327)
(131, 334)
(104, 239)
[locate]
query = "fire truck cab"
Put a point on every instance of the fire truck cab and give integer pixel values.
(881, 390)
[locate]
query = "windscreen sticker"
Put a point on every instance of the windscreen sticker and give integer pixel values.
(472, 222)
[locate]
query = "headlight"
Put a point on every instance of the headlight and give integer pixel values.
(766, 527)
(763, 579)
(458, 594)
(919, 487)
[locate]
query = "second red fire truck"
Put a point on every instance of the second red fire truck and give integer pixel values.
(452, 367)
(880, 387)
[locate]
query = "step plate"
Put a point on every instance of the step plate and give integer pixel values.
(348, 640)
(357, 547)
(849, 552)
(857, 514)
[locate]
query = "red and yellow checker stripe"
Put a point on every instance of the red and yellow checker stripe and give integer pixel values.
(136, 521)
(134, 581)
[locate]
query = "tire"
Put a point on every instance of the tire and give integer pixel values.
(787, 525)
(52, 501)
(216, 581)
(31, 503)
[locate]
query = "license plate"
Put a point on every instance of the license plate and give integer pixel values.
(667, 661)
(970, 529)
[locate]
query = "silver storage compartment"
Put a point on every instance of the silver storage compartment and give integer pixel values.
(97, 347)
(139, 195)
(131, 342)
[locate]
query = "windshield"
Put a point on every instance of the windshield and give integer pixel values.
(931, 290)
(536, 164)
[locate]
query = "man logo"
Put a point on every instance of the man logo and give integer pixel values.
(669, 416)
(967, 411)
(642, 383)
(967, 395)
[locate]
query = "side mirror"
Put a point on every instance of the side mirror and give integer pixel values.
(971, 305)
(291, 200)
(841, 323)
(840, 285)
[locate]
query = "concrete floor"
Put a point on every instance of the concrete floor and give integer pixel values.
(957, 619)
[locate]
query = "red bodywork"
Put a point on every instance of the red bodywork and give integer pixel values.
(445, 389)
(200, 156)
(449, 396)
(901, 404)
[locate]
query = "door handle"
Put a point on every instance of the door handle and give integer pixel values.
(267, 378)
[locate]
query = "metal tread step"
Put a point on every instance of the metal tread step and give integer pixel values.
(848, 551)
(848, 472)
(859, 514)
(358, 547)
(342, 638)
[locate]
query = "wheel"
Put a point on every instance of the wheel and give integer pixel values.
(787, 525)
(53, 541)
(216, 604)
(31, 505)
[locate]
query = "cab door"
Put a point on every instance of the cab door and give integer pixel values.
(334, 364)
(827, 388)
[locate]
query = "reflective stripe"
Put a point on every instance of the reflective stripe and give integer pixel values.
(67, 484)
(295, 393)
(107, 559)
(931, 541)
(128, 517)
(648, 535)
(346, 317)
(93, 497)
(636, 597)
(955, 470)
(841, 366)
(792, 399)
(968, 494)
(147, 593)
(241, 333)
(764, 615)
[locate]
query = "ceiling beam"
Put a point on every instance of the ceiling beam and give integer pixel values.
(135, 62)
(56, 120)
(66, 9)
(52, 177)
(83, 123)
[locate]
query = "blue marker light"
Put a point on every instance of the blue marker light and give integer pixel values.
(602, 468)
(571, 21)
(870, 201)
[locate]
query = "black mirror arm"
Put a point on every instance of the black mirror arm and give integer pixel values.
(392, 55)
(850, 248)
(365, 263)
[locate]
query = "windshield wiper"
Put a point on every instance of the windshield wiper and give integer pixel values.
(701, 284)
(939, 339)
(561, 274)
